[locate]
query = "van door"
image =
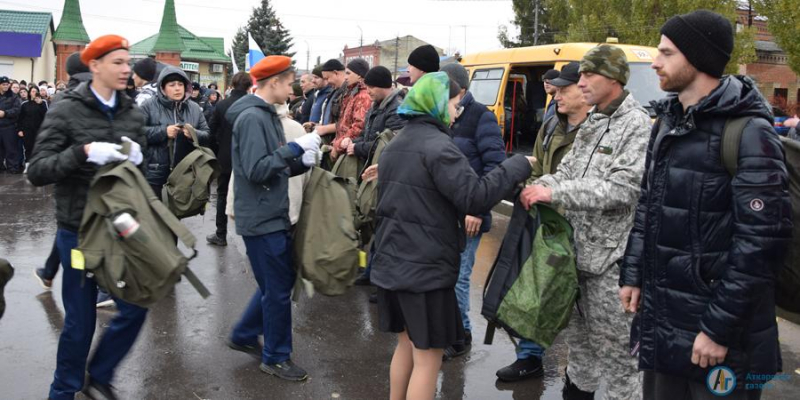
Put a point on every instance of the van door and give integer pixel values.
(486, 86)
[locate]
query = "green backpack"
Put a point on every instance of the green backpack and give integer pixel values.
(367, 195)
(188, 187)
(348, 167)
(326, 241)
(139, 265)
(787, 283)
(533, 285)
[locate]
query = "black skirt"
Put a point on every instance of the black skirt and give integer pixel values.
(432, 319)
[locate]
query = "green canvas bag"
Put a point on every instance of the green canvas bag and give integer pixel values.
(188, 187)
(533, 285)
(139, 266)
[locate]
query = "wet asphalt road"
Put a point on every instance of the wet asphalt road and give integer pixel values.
(181, 354)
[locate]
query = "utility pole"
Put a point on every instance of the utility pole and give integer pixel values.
(535, 22)
(396, 53)
(360, 42)
(465, 39)
(308, 55)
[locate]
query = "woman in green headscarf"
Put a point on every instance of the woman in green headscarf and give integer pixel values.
(425, 188)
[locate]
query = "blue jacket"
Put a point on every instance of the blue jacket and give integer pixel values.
(319, 99)
(262, 164)
(478, 136)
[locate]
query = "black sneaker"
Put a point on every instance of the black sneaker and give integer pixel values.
(98, 391)
(363, 280)
(521, 369)
(286, 370)
(215, 240)
(458, 350)
(46, 284)
(251, 349)
(373, 297)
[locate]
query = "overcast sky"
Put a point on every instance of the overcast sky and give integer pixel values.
(323, 25)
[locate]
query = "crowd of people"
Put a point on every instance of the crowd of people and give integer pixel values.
(676, 257)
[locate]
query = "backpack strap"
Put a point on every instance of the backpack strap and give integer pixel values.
(549, 129)
(731, 140)
(193, 134)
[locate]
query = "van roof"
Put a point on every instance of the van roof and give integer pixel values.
(562, 52)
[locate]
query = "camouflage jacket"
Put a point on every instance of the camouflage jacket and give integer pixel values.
(597, 183)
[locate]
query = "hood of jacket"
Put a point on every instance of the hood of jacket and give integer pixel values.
(390, 99)
(246, 103)
(735, 95)
(187, 84)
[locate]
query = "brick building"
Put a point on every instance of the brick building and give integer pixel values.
(391, 53)
(775, 79)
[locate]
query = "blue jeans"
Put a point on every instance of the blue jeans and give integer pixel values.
(52, 263)
(464, 274)
(79, 295)
(269, 311)
(528, 349)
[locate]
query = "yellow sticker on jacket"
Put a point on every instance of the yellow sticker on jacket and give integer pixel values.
(78, 262)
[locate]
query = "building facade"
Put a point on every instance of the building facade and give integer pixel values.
(392, 54)
(26, 48)
(202, 58)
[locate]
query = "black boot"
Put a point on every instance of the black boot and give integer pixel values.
(458, 350)
(530, 367)
(571, 392)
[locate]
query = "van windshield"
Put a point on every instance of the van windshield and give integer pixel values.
(485, 85)
(644, 86)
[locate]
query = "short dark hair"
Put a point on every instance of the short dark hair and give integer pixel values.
(242, 81)
(42, 83)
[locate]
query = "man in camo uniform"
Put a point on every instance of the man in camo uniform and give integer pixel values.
(597, 184)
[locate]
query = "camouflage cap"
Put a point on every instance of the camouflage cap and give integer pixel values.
(609, 61)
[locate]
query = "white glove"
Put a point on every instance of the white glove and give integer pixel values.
(102, 153)
(310, 158)
(309, 141)
(135, 156)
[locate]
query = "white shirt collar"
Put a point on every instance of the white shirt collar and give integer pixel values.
(110, 103)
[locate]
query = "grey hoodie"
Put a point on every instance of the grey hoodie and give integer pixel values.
(162, 112)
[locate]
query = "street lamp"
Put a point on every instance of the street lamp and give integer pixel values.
(360, 42)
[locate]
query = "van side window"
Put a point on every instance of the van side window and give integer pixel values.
(485, 85)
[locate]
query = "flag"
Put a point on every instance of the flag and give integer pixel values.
(254, 55)
(233, 60)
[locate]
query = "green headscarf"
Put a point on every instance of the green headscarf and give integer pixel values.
(428, 96)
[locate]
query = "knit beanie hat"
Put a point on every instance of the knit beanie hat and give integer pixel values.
(457, 74)
(359, 66)
(317, 72)
(173, 78)
(332, 65)
(704, 37)
(145, 68)
(609, 61)
(425, 58)
(75, 65)
(379, 77)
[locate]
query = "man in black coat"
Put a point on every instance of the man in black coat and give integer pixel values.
(706, 245)
(10, 105)
(221, 130)
(81, 133)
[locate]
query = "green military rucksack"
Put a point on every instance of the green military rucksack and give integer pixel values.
(188, 187)
(532, 287)
(348, 167)
(326, 241)
(126, 240)
(787, 283)
(367, 195)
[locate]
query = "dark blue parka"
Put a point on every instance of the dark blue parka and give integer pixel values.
(705, 247)
(478, 136)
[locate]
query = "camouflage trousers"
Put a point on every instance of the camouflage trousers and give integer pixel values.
(598, 340)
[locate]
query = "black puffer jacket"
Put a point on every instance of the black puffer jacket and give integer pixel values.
(59, 157)
(161, 112)
(425, 189)
(705, 248)
(221, 129)
(11, 105)
(381, 116)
